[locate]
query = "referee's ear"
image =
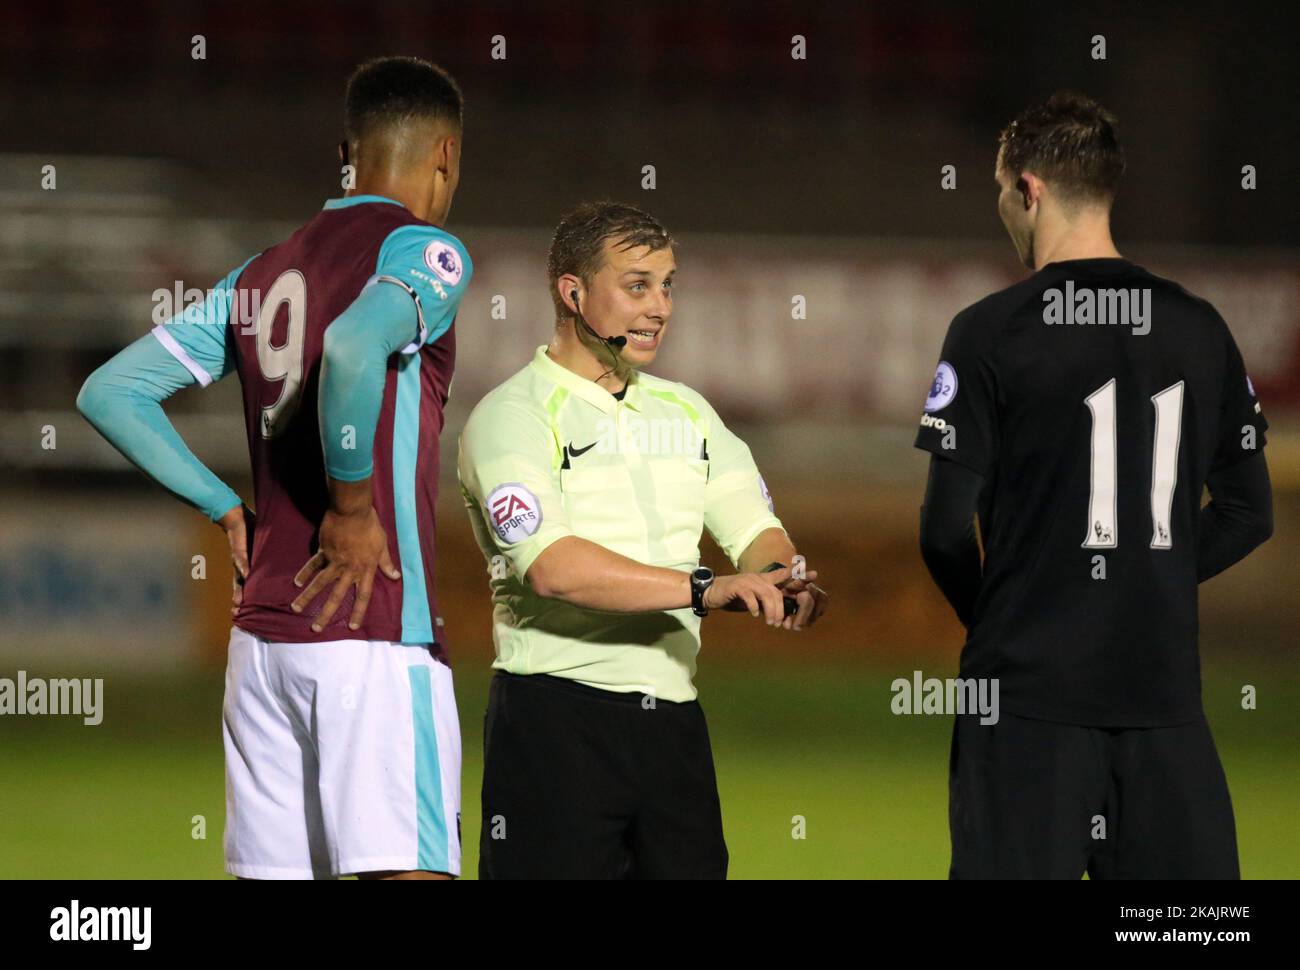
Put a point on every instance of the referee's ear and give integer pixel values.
(570, 289)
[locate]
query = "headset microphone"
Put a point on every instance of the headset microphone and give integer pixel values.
(617, 343)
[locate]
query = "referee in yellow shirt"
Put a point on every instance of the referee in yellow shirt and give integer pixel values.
(588, 485)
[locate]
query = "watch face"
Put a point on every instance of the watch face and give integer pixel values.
(703, 574)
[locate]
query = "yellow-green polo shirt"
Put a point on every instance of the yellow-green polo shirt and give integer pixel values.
(549, 454)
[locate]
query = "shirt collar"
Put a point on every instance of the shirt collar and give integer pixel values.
(358, 200)
(589, 391)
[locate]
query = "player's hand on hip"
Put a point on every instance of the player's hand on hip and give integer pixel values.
(238, 524)
(812, 600)
(756, 592)
(352, 547)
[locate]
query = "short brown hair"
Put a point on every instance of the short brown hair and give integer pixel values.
(1070, 141)
(577, 245)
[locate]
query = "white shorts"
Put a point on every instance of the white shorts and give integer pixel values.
(341, 757)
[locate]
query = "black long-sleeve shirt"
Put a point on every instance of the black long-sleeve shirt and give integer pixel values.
(1237, 519)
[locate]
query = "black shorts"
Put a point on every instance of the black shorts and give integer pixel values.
(583, 783)
(1032, 799)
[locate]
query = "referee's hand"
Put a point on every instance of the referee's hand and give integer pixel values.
(812, 600)
(756, 592)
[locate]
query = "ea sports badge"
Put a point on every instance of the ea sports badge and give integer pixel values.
(444, 261)
(943, 389)
(514, 512)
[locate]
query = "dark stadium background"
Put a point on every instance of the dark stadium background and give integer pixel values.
(817, 178)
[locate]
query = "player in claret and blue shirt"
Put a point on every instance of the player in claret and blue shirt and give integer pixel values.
(341, 736)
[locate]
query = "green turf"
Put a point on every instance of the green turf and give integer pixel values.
(119, 800)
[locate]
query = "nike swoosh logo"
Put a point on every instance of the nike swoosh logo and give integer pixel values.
(577, 452)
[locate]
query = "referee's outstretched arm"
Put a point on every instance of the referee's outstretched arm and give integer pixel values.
(587, 574)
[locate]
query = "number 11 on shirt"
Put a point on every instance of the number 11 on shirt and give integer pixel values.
(1102, 526)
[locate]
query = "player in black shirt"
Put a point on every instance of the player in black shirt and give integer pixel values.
(1077, 417)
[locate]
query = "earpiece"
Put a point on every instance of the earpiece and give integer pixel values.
(615, 343)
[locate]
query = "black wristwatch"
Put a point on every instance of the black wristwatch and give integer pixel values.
(701, 580)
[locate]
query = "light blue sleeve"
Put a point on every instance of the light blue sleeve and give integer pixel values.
(199, 338)
(435, 269)
(354, 367)
(122, 400)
